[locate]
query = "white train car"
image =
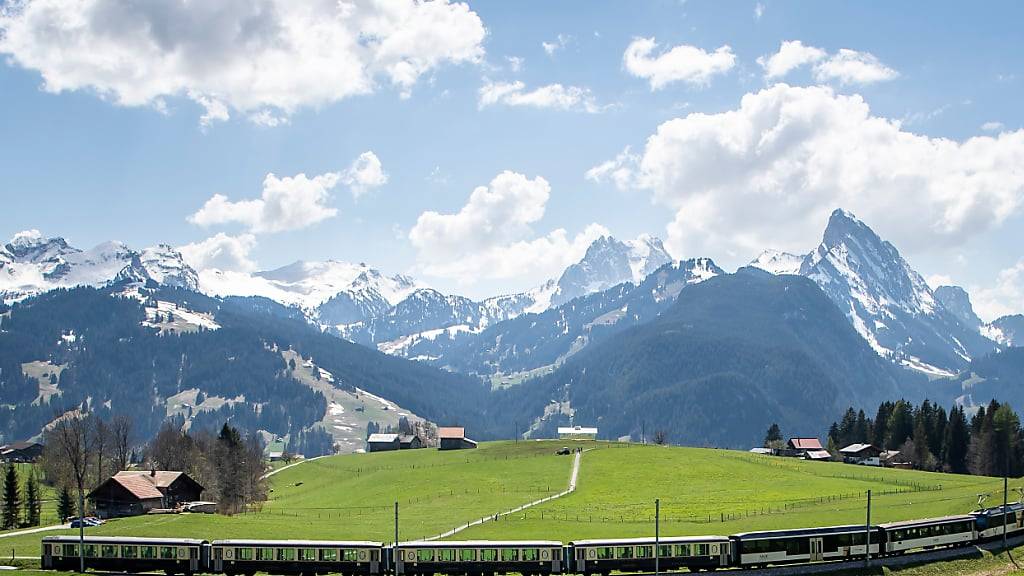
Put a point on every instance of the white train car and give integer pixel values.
(930, 533)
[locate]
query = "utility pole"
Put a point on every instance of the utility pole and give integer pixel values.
(81, 530)
(1006, 472)
(517, 431)
(657, 534)
(867, 530)
(396, 538)
(643, 432)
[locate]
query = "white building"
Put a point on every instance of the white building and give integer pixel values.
(577, 433)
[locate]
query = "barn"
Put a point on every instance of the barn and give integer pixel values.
(867, 454)
(453, 438)
(382, 442)
(21, 452)
(130, 493)
(410, 442)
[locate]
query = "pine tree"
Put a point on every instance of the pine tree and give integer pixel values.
(958, 439)
(12, 499)
(65, 504)
(33, 503)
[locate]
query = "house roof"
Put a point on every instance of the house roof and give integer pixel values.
(451, 432)
(818, 454)
(137, 485)
(761, 450)
(161, 479)
(805, 443)
(403, 438)
(856, 448)
(576, 430)
(384, 438)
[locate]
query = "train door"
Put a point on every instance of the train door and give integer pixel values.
(816, 550)
(723, 556)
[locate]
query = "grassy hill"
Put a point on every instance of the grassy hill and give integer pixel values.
(702, 491)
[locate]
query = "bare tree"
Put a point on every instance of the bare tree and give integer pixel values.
(121, 432)
(74, 436)
(100, 442)
(660, 437)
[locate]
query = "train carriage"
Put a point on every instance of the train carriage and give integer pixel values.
(989, 522)
(637, 554)
(126, 554)
(804, 545)
(295, 557)
(929, 533)
(479, 557)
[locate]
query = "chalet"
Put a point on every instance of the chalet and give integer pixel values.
(130, 493)
(382, 442)
(410, 442)
(21, 452)
(453, 438)
(577, 433)
(799, 447)
(865, 454)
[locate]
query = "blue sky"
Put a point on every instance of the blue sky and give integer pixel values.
(95, 152)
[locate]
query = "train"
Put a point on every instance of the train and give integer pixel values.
(595, 557)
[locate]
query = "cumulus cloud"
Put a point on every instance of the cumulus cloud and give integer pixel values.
(846, 66)
(244, 55)
(1005, 297)
(559, 43)
(222, 252)
(618, 170)
(554, 96)
(492, 235)
(681, 63)
(792, 54)
(287, 203)
(365, 173)
(768, 174)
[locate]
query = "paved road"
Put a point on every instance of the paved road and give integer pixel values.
(272, 472)
(35, 530)
(572, 488)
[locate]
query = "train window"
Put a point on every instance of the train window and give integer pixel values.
(70, 550)
(531, 554)
(108, 551)
(425, 555)
(446, 555)
(265, 554)
(130, 552)
(286, 554)
(489, 555)
(328, 555)
(624, 552)
(350, 555)
(243, 553)
(702, 549)
(682, 549)
(168, 553)
(307, 554)
(509, 555)
(645, 552)
(664, 551)
(467, 555)
(90, 550)
(604, 553)
(147, 552)
(218, 553)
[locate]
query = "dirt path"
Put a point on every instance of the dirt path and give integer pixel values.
(35, 530)
(572, 488)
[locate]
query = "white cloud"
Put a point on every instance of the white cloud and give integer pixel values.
(1005, 297)
(993, 127)
(792, 54)
(221, 252)
(243, 55)
(287, 203)
(554, 96)
(846, 66)
(680, 63)
(365, 173)
(936, 280)
(758, 11)
(619, 170)
(491, 236)
(515, 63)
(852, 67)
(559, 44)
(769, 173)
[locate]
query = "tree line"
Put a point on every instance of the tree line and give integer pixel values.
(989, 442)
(22, 505)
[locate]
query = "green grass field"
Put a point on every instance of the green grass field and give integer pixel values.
(49, 496)
(702, 491)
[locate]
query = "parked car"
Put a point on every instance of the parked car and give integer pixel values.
(564, 451)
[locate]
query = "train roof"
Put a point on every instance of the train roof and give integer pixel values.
(662, 540)
(803, 531)
(926, 521)
(1011, 507)
(477, 543)
(310, 543)
(123, 540)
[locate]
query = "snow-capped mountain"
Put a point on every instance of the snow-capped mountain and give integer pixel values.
(608, 262)
(778, 262)
(888, 303)
(958, 302)
(31, 264)
(1008, 330)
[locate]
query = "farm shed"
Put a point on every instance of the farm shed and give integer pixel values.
(453, 438)
(577, 433)
(410, 442)
(820, 455)
(21, 452)
(382, 442)
(798, 447)
(867, 454)
(129, 493)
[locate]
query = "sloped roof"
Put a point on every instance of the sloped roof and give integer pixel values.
(451, 432)
(162, 478)
(137, 485)
(385, 438)
(805, 443)
(856, 448)
(818, 454)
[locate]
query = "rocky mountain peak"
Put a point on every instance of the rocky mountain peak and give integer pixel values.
(956, 300)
